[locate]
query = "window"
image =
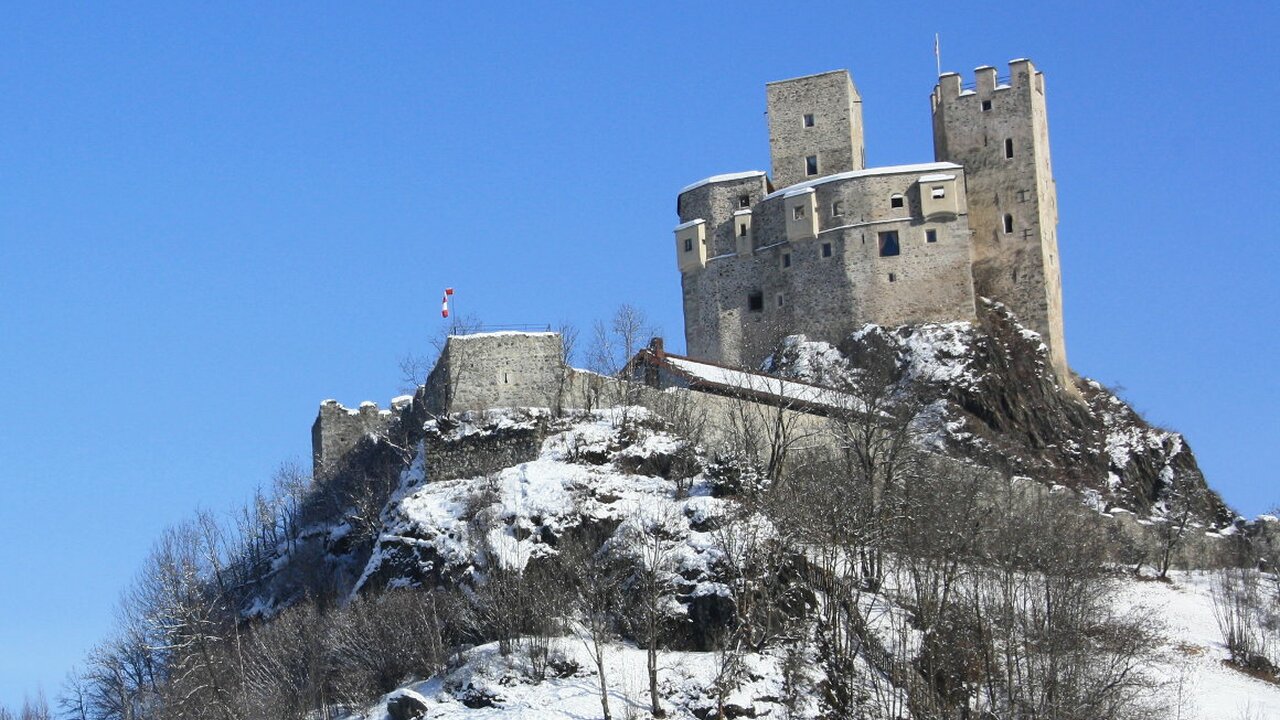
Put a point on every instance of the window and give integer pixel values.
(811, 165)
(1022, 196)
(797, 212)
(755, 302)
(786, 260)
(931, 236)
(892, 277)
(742, 229)
(688, 244)
(837, 208)
(826, 249)
(744, 201)
(896, 201)
(779, 299)
(986, 106)
(1008, 224)
(808, 119)
(889, 243)
(938, 191)
(1008, 147)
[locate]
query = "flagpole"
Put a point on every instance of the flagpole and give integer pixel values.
(937, 53)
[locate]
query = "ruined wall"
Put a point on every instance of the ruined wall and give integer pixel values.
(337, 429)
(498, 369)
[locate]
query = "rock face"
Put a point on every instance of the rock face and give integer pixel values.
(406, 705)
(995, 400)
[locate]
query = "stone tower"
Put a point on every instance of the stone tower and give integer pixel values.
(998, 129)
(815, 127)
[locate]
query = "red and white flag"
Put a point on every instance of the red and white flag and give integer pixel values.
(444, 304)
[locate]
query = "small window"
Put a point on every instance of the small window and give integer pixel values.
(808, 119)
(1008, 147)
(688, 244)
(744, 201)
(896, 201)
(837, 208)
(889, 243)
(826, 249)
(786, 260)
(893, 278)
(797, 212)
(755, 302)
(811, 165)
(779, 299)
(1008, 224)
(742, 229)
(931, 236)
(986, 106)
(938, 191)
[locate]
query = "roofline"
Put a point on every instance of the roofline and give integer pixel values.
(844, 71)
(918, 168)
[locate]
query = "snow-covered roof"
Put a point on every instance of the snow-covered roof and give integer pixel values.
(868, 172)
(936, 177)
(691, 223)
(722, 178)
(738, 381)
(501, 333)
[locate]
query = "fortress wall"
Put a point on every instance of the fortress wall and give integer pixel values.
(836, 136)
(509, 369)
(827, 297)
(337, 429)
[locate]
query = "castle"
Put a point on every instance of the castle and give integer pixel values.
(837, 245)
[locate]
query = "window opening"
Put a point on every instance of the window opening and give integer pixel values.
(742, 229)
(797, 212)
(986, 106)
(808, 119)
(892, 277)
(837, 208)
(938, 191)
(744, 201)
(688, 244)
(779, 299)
(1008, 224)
(889, 243)
(755, 302)
(1008, 147)
(826, 249)
(896, 201)
(786, 260)
(811, 165)
(931, 236)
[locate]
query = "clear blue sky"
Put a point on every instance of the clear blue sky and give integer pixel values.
(214, 216)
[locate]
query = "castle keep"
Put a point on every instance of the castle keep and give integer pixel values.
(827, 245)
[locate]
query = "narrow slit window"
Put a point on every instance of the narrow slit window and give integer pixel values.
(742, 229)
(931, 236)
(811, 165)
(1008, 224)
(826, 249)
(808, 119)
(889, 243)
(688, 244)
(1008, 147)
(896, 201)
(786, 260)
(779, 300)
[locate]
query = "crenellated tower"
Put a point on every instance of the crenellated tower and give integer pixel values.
(998, 129)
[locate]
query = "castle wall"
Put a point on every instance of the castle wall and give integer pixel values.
(500, 369)
(971, 127)
(832, 281)
(337, 429)
(835, 137)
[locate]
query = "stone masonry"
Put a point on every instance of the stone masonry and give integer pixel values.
(828, 245)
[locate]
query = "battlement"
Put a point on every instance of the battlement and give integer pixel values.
(986, 82)
(337, 429)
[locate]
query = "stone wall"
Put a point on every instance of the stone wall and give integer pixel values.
(337, 429)
(832, 283)
(482, 453)
(499, 369)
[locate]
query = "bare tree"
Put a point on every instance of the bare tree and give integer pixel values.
(594, 579)
(652, 532)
